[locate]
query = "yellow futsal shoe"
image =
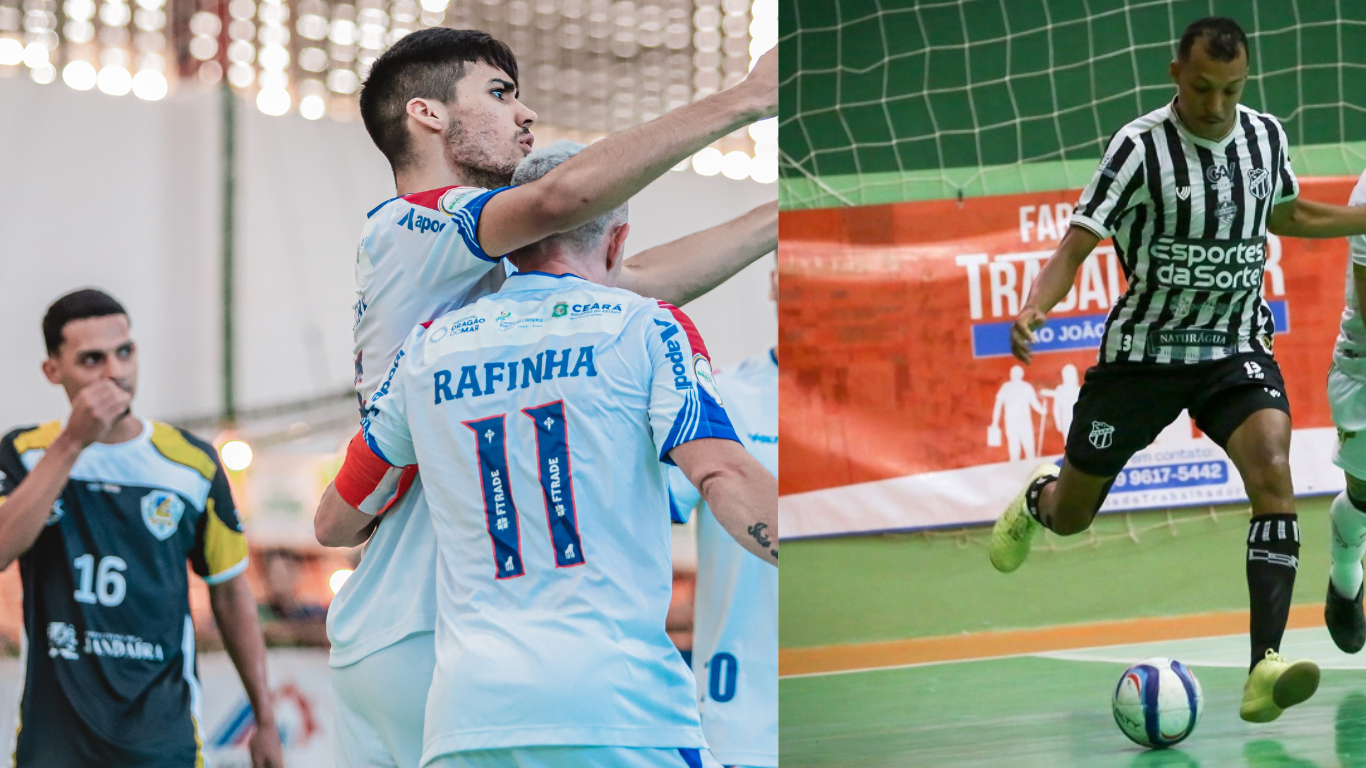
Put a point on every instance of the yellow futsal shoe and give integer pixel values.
(1276, 684)
(1015, 528)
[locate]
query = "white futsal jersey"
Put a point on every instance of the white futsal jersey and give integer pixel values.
(559, 399)
(735, 629)
(1351, 343)
(419, 257)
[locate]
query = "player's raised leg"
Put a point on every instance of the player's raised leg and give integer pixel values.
(1260, 450)
(1106, 431)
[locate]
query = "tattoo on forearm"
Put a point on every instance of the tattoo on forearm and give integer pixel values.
(757, 531)
(773, 552)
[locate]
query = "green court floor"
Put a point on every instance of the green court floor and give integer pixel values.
(870, 588)
(1053, 711)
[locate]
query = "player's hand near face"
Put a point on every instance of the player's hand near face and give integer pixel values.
(94, 412)
(96, 409)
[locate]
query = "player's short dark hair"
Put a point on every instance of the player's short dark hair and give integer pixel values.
(1222, 35)
(77, 305)
(422, 65)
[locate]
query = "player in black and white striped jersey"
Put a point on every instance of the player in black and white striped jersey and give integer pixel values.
(1189, 217)
(1189, 193)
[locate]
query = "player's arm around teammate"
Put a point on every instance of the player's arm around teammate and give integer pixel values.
(609, 172)
(683, 270)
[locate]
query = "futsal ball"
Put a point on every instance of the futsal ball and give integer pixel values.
(1157, 702)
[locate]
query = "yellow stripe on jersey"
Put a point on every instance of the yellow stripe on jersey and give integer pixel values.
(198, 744)
(173, 445)
(224, 548)
(38, 438)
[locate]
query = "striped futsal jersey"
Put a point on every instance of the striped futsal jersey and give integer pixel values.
(1189, 221)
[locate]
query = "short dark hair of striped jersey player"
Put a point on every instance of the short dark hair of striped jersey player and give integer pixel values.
(442, 105)
(722, 471)
(92, 356)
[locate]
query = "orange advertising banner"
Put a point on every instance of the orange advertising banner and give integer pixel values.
(902, 407)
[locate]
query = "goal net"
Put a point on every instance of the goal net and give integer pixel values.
(892, 100)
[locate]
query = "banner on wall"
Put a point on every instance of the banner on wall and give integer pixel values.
(904, 409)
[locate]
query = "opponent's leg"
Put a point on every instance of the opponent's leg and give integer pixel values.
(1260, 449)
(1342, 611)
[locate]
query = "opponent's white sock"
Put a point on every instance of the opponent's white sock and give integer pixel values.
(1348, 546)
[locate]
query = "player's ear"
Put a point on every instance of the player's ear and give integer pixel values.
(1175, 70)
(616, 245)
(428, 113)
(50, 371)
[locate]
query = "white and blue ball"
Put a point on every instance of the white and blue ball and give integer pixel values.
(1157, 702)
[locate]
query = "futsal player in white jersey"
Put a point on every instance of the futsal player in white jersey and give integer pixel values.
(441, 105)
(561, 400)
(1347, 401)
(735, 624)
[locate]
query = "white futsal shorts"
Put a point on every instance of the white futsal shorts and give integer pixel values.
(1347, 402)
(577, 757)
(381, 703)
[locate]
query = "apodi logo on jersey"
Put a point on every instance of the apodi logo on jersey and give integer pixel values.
(418, 223)
(675, 356)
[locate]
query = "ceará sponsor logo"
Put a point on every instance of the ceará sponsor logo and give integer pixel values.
(596, 308)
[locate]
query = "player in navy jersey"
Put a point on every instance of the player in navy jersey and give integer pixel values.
(1189, 193)
(103, 513)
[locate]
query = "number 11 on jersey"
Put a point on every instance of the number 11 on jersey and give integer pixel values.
(552, 462)
(494, 478)
(557, 485)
